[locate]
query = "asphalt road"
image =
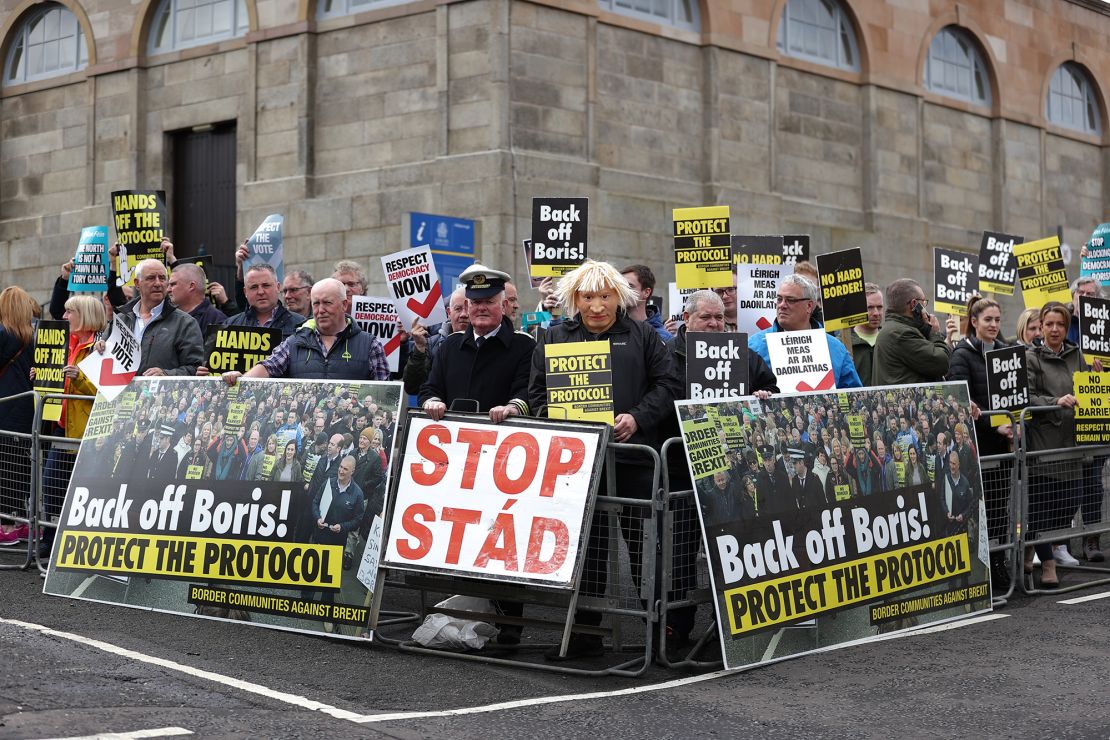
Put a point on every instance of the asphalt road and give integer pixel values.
(1041, 671)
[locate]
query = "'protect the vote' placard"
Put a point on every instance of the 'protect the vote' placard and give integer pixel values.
(265, 245)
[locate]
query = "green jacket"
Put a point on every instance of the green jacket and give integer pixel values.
(903, 355)
(863, 358)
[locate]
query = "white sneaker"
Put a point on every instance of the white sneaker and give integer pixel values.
(1062, 556)
(1036, 559)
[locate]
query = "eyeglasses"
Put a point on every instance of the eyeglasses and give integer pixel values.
(294, 290)
(923, 302)
(787, 299)
(725, 291)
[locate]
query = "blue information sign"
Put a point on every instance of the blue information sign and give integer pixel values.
(451, 240)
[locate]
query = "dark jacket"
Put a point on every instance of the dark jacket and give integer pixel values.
(283, 319)
(16, 416)
(494, 374)
(205, 314)
(907, 353)
(969, 362)
(418, 365)
(644, 381)
(760, 375)
(863, 357)
(349, 358)
(1050, 377)
(172, 342)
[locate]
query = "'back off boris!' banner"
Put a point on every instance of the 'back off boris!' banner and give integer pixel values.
(702, 247)
(954, 279)
(1094, 329)
(507, 502)
(559, 233)
(997, 270)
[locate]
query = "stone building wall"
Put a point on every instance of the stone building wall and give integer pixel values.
(472, 107)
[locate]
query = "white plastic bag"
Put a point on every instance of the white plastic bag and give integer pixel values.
(455, 633)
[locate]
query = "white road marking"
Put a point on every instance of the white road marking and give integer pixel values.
(484, 709)
(253, 688)
(134, 735)
(1081, 599)
(773, 645)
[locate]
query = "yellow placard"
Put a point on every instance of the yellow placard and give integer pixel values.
(201, 558)
(1041, 271)
(704, 450)
(702, 247)
(1092, 408)
(809, 593)
(579, 381)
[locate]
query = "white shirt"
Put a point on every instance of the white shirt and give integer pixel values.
(140, 325)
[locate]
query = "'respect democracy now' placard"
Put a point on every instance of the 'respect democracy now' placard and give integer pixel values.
(843, 552)
(507, 502)
(169, 517)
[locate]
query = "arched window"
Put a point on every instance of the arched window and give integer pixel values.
(678, 13)
(819, 31)
(47, 43)
(1071, 100)
(336, 8)
(179, 24)
(955, 67)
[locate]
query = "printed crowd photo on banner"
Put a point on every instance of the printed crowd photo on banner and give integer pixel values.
(835, 517)
(260, 502)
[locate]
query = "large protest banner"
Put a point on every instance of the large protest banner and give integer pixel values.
(91, 262)
(239, 347)
(417, 291)
(702, 247)
(579, 381)
(1094, 329)
(809, 537)
(954, 280)
(462, 474)
(51, 348)
(759, 264)
(801, 360)
(139, 217)
(1096, 263)
(716, 364)
(206, 531)
(997, 270)
(379, 317)
(843, 300)
(265, 246)
(559, 233)
(1092, 408)
(1041, 272)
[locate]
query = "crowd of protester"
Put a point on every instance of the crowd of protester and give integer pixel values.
(906, 435)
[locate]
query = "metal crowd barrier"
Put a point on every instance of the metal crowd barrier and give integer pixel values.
(17, 468)
(628, 601)
(54, 456)
(1001, 478)
(684, 573)
(1064, 496)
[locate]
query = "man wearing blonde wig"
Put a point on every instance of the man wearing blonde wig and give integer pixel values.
(595, 299)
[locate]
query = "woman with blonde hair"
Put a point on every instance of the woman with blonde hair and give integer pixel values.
(86, 317)
(16, 351)
(1029, 327)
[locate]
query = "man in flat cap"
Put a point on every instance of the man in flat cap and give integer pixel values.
(488, 363)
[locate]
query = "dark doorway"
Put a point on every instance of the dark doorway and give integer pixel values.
(203, 198)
